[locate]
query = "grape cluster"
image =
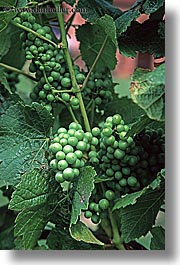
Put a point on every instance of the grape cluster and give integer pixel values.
(115, 155)
(99, 88)
(48, 64)
(125, 163)
(69, 150)
(99, 205)
(150, 146)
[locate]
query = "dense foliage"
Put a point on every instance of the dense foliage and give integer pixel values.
(81, 166)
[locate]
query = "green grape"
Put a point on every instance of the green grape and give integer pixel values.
(59, 177)
(104, 204)
(68, 174)
(88, 214)
(62, 164)
(71, 158)
(60, 155)
(95, 218)
(110, 195)
(132, 181)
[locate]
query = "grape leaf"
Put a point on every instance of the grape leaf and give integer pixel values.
(158, 239)
(161, 30)
(124, 21)
(5, 18)
(102, 178)
(23, 138)
(142, 38)
(139, 126)
(148, 92)
(137, 219)
(3, 200)
(3, 80)
(30, 224)
(41, 198)
(130, 199)
(7, 3)
(129, 114)
(7, 239)
(83, 192)
(70, 2)
(81, 232)
(15, 56)
(108, 25)
(31, 191)
(97, 8)
(94, 38)
(151, 6)
(61, 239)
(21, 3)
(5, 42)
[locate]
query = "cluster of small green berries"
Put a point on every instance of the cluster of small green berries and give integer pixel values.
(98, 207)
(150, 147)
(69, 149)
(49, 65)
(99, 88)
(116, 161)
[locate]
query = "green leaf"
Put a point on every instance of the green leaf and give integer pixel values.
(83, 192)
(38, 207)
(137, 219)
(15, 56)
(94, 38)
(81, 232)
(70, 2)
(3, 200)
(107, 23)
(148, 92)
(102, 178)
(98, 8)
(5, 42)
(139, 126)
(158, 239)
(5, 18)
(31, 191)
(7, 239)
(7, 3)
(23, 138)
(21, 3)
(3, 80)
(122, 87)
(151, 6)
(162, 30)
(142, 38)
(124, 21)
(61, 239)
(30, 224)
(130, 199)
(129, 111)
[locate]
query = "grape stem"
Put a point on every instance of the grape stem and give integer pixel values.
(63, 91)
(13, 69)
(116, 237)
(92, 112)
(75, 85)
(95, 62)
(69, 109)
(34, 32)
